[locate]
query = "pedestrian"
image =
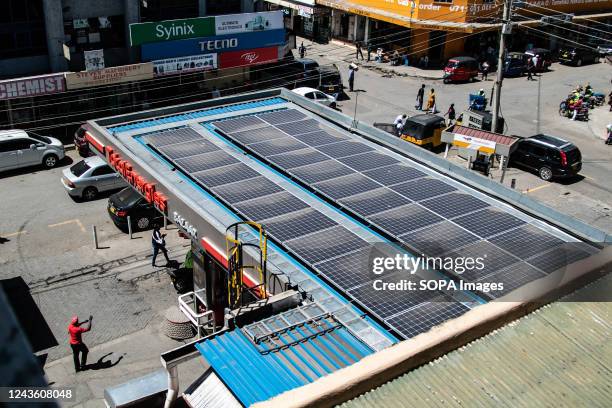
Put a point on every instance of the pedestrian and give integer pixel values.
(75, 332)
(431, 101)
(536, 61)
(420, 96)
(369, 50)
(358, 51)
(485, 70)
(451, 114)
(426, 61)
(399, 123)
(159, 244)
(609, 130)
(351, 77)
(302, 50)
(529, 69)
(215, 92)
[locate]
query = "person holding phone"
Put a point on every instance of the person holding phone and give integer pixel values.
(79, 348)
(159, 244)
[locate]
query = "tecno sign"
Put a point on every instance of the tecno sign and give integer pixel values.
(214, 45)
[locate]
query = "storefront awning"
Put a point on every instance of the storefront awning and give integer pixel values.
(402, 20)
(481, 140)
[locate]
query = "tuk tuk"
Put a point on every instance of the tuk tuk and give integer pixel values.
(515, 64)
(424, 130)
(460, 69)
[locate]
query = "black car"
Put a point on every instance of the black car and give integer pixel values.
(578, 56)
(548, 155)
(128, 202)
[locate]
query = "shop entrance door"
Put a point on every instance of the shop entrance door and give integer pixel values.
(436, 47)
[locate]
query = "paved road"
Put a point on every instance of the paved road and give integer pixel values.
(383, 97)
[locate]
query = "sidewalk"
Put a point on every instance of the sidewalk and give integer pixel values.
(599, 118)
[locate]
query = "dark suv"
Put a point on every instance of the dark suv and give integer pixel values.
(549, 156)
(128, 202)
(578, 56)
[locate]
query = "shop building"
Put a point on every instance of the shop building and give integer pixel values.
(304, 18)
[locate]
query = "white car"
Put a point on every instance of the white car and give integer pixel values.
(317, 96)
(89, 177)
(19, 148)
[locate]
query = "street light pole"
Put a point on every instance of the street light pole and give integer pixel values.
(506, 27)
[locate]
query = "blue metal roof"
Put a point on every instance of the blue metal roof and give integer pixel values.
(282, 361)
(196, 114)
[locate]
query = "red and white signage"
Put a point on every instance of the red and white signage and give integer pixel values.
(32, 86)
(248, 57)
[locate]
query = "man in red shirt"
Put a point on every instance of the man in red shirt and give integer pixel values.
(76, 342)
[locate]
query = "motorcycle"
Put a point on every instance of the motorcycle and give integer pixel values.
(566, 111)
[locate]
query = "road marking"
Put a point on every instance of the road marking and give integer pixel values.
(529, 190)
(75, 221)
(13, 234)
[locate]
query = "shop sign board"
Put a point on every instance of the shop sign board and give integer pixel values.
(109, 76)
(32, 86)
(248, 57)
(170, 30)
(248, 22)
(209, 45)
(191, 63)
(94, 60)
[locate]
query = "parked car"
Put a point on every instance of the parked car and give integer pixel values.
(544, 61)
(460, 69)
(549, 156)
(578, 56)
(19, 148)
(89, 177)
(604, 49)
(515, 64)
(129, 203)
(80, 143)
(317, 96)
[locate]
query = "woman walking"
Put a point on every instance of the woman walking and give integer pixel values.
(431, 102)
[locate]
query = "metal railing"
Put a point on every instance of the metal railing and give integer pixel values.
(202, 318)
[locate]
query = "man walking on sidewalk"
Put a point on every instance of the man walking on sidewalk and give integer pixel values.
(76, 342)
(159, 244)
(351, 77)
(302, 50)
(358, 51)
(420, 96)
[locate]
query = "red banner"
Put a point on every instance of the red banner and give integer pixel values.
(248, 57)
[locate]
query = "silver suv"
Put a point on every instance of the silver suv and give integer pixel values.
(19, 148)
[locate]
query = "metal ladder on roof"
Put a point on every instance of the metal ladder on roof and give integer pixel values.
(236, 263)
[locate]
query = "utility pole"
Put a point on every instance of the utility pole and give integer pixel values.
(505, 30)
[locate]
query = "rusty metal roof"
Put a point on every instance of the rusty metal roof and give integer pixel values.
(560, 355)
(483, 134)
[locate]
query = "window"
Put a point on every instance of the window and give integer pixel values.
(22, 144)
(6, 146)
(320, 95)
(22, 29)
(80, 168)
(39, 138)
(102, 171)
(538, 151)
(309, 95)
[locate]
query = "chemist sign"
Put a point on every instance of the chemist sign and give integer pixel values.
(32, 86)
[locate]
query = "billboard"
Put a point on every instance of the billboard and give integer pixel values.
(248, 22)
(191, 63)
(208, 45)
(32, 86)
(109, 76)
(248, 57)
(170, 30)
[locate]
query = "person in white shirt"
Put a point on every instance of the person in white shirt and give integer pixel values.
(399, 123)
(159, 244)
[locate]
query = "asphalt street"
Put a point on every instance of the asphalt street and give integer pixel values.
(380, 97)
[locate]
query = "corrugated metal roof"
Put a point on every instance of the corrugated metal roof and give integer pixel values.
(483, 134)
(560, 355)
(290, 359)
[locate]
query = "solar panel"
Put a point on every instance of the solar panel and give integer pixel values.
(423, 188)
(205, 161)
(225, 175)
(270, 206)
(453, 204)
(298, 158)
(318, 138)
(346, 186)
(374, 201)
(277, 146)
(394, 174)
(257, 135)
(526, 241)
(247, 189)
(299, 127)
(386, 303)
(344, 148)
(427, 315)
(321, 171)
(488, 222)
(559, 257)
(289, 226)
(326, 244)
(368, 161)
(350, 270)
(438, 239)
(402, 220)
(493, 259)
(185, 149)
(512, 277)
(282, 116)
(172, 136)
(239, 124)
